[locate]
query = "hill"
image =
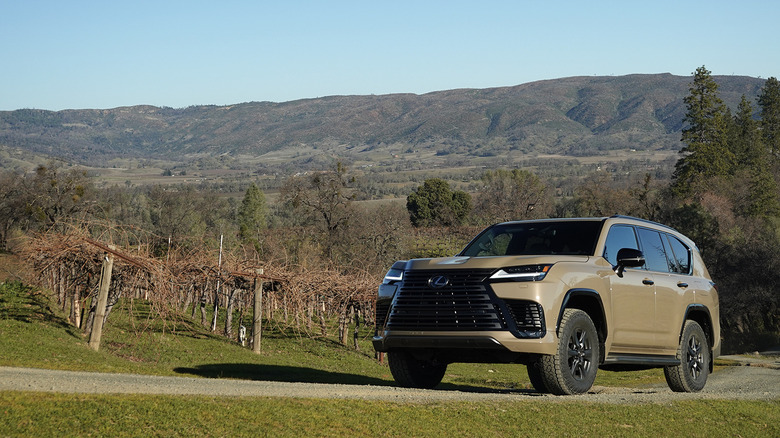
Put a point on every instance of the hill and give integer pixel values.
(577, 116)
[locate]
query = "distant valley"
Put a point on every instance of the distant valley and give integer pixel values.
(572, 117)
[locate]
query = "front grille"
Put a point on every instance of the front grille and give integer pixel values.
(382, 306)
(465, 303)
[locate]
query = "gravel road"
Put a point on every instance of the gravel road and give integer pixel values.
(755, 380)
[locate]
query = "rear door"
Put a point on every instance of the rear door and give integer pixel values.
(670, 286)
(677, 294)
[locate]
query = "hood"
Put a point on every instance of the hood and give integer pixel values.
(445, 263)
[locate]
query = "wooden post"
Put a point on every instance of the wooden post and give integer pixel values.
(100, 309)
(257, 323)
(216, 292)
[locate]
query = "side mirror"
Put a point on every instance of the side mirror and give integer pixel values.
(628, 258)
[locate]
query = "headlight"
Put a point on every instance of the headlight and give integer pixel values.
(522, 273)
(393, 275)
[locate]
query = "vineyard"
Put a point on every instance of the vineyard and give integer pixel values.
(200, 282)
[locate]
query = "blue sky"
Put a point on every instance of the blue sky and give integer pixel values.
(105, 54)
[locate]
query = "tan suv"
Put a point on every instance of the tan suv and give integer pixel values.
(563, 296)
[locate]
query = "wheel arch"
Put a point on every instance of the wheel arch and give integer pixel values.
(701, 314)
(589, 301)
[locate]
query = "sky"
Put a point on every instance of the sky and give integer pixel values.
(57, 54)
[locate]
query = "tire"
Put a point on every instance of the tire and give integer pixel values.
(410, 372)
(694, 353)
(572, 369)
(536, 378)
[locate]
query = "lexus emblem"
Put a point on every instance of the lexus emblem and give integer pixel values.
(438, 282)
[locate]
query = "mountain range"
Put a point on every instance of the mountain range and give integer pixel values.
(575, 116)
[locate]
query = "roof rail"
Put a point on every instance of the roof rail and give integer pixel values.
(623, 216)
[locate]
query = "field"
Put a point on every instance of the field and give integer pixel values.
(411, 167)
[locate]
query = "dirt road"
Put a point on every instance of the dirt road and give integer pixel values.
(755, 381)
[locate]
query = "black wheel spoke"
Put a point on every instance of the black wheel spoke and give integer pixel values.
(579, 354)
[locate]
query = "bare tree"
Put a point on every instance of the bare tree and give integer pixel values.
(325, 199)
(511, 195)
(53, 196)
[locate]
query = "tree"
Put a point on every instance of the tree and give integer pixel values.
(752, 165)
(762, 200)
(597, 196)
(322, 198)
(379, 235)
(511, 194)
(745, 137)
(705, 137)
(252, 215)
(435, 204)
(53, 196)
(769, 102)
(11, 205)
(176, 214)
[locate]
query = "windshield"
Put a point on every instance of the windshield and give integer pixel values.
(536, 238)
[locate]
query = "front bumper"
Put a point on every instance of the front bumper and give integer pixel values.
(477, 340)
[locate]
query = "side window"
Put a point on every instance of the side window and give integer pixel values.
(682, 255)
(620, 236)
(673, 266)
(653, 248)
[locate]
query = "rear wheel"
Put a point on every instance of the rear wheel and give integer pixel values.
(694, 353)
(411, 372)
(572, 369)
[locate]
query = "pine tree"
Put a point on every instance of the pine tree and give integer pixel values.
(769, 103)
(745, 138)
(252, 214)
(752, 163)
(705, 137)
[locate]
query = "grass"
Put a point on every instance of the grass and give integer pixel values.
(136, 415)
(34, 333)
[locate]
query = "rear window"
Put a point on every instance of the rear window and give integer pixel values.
(536, 238)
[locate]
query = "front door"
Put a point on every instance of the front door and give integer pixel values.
(632, 297)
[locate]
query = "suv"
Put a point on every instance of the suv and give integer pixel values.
(562, 296)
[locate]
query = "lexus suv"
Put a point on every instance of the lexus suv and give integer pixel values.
(562, 296)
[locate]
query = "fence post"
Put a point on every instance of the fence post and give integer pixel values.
(257, 322)
(100, 309)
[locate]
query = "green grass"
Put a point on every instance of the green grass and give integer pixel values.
(34, 333)
(139, 415)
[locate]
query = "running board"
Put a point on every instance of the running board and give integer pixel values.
(641, 359)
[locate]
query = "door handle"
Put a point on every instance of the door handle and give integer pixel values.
(682, 285)
(648, 282)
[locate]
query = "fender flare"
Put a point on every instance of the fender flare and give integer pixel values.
(591, 294)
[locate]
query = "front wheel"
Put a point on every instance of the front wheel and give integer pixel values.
(572, 369)
(535, 376)
(411, 372)
(694, 353)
